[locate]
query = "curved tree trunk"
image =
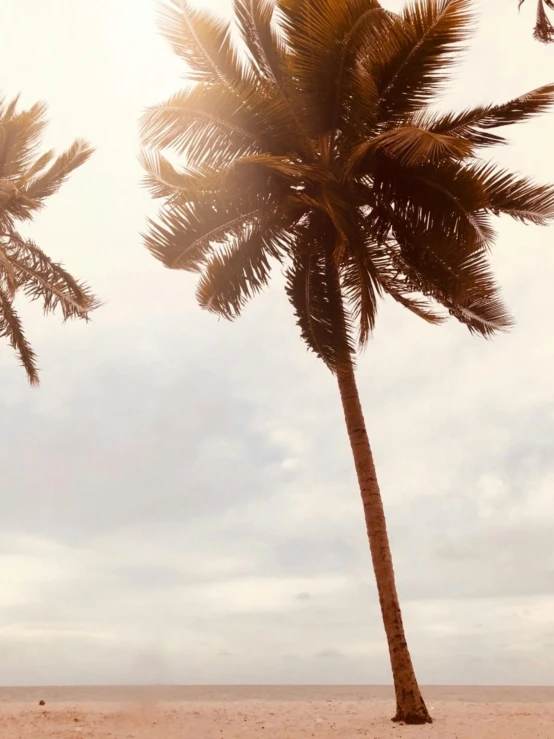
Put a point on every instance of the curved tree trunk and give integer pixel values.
(410, 707)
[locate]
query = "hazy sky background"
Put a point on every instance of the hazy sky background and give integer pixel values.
(178, 498)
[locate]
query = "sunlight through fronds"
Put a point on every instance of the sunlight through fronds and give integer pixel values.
(308, 136)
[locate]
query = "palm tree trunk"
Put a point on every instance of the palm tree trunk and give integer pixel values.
(410, 707)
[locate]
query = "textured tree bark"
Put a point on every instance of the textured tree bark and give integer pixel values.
(410, 706)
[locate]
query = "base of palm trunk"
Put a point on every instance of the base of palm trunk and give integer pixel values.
(413, 718)
(415, 712)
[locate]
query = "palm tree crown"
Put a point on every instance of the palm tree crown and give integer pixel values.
(315, 146)
(26, 181)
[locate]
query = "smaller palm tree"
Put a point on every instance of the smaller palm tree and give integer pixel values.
(26, 180)
(544, 29)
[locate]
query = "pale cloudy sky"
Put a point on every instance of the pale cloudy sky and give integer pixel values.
(178, 498)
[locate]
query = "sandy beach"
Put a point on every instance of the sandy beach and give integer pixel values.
(279, 713)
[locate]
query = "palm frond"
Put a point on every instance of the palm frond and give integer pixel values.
(474, 125)
(478, 303)
(291, 8)
(361, 289)
(183, 236)
(26, 180)
(7, 276)
(459, 279)
(418, 306)
(42, 162)
(241, 268)
(166, 181)
(19, 135)
(42, 279)
(203, 40)
(8, 108)
(485, 316)
(544, 29)
(254, 20)
(356, 93)
(12, 329)
(411, 147)
(43, 184)
(204, 123)
(519, 109)
(422, 46)
(254, 177)
(324, 39)
(518, 197)
(313, 288)
(296, 173)
(210, 125)
(309, 291)
(211, 206)
(274, 75)
(446, 201)
(12, 205)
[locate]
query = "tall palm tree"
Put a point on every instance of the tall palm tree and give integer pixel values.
(544, 29)
(27, 179)
(315, 147)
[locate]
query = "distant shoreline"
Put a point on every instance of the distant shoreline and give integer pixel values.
(286, 693)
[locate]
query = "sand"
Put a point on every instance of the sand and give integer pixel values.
(297, 717)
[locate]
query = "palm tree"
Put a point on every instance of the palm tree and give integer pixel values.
(26, 180)
(315, 148)
(544, 30)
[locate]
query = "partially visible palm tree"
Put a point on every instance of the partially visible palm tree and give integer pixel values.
(315, 147)
(26, 180)
(544, 29)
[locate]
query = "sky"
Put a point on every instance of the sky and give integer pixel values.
(178, 500)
